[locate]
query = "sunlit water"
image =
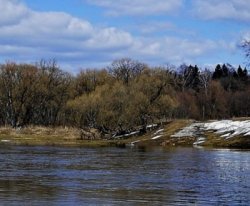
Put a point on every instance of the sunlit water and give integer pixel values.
(113, 176)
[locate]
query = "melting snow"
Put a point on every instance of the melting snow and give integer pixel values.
(158, 134)
(225, 128)
(159, 131)
(151, 126)
(247, 134)
(156, 137)
(229, 128)
(133, 143)
(5, 140)
(226, 135)
(200, 140)
(132, 133)
(189, 131)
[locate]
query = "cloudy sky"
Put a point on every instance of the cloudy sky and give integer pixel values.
(93, 33)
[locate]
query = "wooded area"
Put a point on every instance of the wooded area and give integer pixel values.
(125, 95)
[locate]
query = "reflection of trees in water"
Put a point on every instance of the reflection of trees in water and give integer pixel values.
(26, 189)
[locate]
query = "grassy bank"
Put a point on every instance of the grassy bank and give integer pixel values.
(61, 136)
(161, 136)
(66, 136)
(165, 136)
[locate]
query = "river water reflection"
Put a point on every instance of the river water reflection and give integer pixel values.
(113, 176)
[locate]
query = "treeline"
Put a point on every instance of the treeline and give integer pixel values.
(125, 95)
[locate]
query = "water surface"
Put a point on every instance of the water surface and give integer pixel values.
(114, 176)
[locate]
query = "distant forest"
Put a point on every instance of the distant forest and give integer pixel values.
(125, 95)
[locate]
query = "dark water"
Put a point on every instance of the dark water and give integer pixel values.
(113, 176)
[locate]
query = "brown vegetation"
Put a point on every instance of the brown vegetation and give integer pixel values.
(124, 97)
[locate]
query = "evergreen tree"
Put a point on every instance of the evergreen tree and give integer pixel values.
(240, 72)
(217, 72)
(225, 71)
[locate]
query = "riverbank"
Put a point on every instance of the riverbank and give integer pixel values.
(224, 133)
(215, 133)
(35, 135)
(68, 136)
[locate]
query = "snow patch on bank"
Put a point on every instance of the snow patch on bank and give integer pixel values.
(229, 128)
(156, 137)
(159, 131)
(199, 141)
(5, 140)
(225, 128)
(134, 142)
(189, 131)
(158, 134)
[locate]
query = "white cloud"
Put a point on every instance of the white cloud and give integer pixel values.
(30, 35)
(245, 36)
(110, 38)
(174, 50)
(37, 25)
(11, 11)
(138, 7)
(155, 26)
(223, 9)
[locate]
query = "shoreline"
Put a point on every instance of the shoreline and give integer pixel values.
(169, 135)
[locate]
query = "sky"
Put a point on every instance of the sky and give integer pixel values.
(82, 34)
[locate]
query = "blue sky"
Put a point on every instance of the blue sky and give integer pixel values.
(93, 33)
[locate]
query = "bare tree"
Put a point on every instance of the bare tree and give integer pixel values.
(205, 78)
(245, 45)
(126, 69)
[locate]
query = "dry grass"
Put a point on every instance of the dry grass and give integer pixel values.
(66, 132)
(214, 140)
(172, 129)
(166, 140)
(240, 118)
(35, 135)
(67, 136)
(52, 136)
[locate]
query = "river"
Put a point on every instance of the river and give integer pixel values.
(130, 176)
